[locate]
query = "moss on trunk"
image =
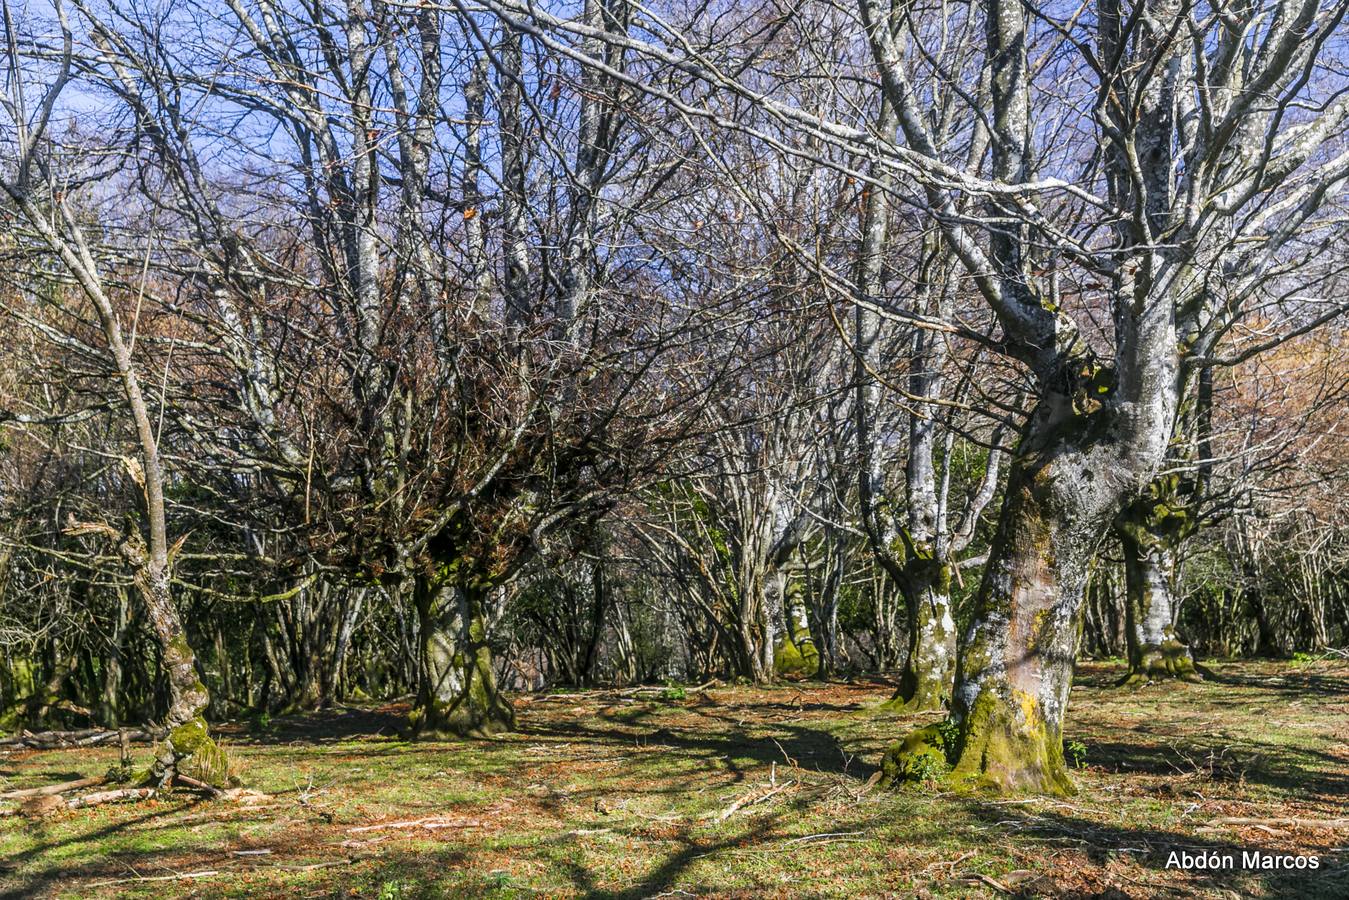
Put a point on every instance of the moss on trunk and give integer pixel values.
(929, 669)
(189, 748)
(1150, 531)
(1007, 744)
(795, 655)
(1015, 665)
(458, 695)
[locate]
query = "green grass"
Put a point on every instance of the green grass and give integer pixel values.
(741, 792)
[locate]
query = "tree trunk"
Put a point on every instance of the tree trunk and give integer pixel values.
(188, 734)
(111, 687)
(1016, 663)
(458, 694)
(1155, 653)
(795, 654)
(929, 668)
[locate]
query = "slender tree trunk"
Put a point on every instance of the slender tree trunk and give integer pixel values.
(795, 654)
(1155, 653)
(188, 699)
(929, 668)
(112, 666)
(39, 705)
(458, 696)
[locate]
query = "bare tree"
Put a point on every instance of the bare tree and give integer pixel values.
(33, 186)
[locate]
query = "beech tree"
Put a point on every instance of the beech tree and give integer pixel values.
(33, 183)
(1198, 152)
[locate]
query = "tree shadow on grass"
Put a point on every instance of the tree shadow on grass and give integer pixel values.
(791, 744)
(19, 886)
(1295, 771)
(1291, 682)
(665, 876)
(326, 726)
(1151, 848)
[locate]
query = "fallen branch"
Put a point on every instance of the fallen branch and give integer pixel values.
(1286, 822)
(751, 799)
(827, 836)
(984, 879)
(430, 824)
(197, 785)
(46, 804)
(51, 789)
(88, 737)
(185, 876)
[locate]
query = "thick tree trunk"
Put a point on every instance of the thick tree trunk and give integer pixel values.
(1016, 662)
(1017, 665)
(1155, 653)
(458, 696)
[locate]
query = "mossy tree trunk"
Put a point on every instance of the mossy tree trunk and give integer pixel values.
(188, 735)
(929, 668)
(918, 554)
(1150, 531)
(1016, 665)
(795, 654)
(1155, 651)
(458, 694)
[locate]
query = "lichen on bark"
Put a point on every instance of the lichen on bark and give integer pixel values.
(1150, 531)
(929, 668)
(458, 696)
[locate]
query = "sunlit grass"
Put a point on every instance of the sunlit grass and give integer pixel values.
(741, 792)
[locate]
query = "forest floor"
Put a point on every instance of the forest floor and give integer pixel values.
(732, 792)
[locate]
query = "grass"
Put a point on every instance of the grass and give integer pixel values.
(739, 792)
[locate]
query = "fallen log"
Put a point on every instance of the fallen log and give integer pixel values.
(100, 797)
(86, 737)
(51, 789)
